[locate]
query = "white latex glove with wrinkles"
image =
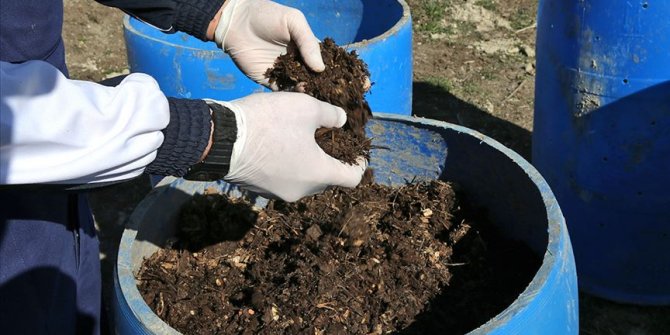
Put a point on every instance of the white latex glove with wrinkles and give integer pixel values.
(255, 32)
(275, 153)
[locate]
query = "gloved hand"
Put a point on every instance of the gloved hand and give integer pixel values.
(255, 32)
(275, 153)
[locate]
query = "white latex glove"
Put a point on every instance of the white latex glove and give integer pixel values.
(255, 32)
(275, 153)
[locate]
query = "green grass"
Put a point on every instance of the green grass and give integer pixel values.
(440, 82)
(431, 14)
(488, 4)
(471, 88)
(469, 29)
(489, 74)
(523, 18)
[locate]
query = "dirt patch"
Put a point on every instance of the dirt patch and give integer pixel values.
(93, 34)
(371, 260)
(508, 46)
(473, 66)
(484, 19)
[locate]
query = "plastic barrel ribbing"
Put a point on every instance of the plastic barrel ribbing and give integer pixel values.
(602, 139)
(380, 31)
(518, 200)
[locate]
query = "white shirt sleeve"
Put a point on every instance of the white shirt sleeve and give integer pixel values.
(57, 130)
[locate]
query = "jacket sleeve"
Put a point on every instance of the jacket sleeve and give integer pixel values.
(189, 16)
(57, 130)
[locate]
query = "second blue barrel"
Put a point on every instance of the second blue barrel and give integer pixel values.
(380, 31)
(601, 139)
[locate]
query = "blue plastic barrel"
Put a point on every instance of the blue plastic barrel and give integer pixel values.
(518, 200)
(379, 30)
(602, 139)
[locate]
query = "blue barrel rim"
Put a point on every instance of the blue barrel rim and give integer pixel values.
(128, 27)
(558, 236)
(406, 16)
(404, 19)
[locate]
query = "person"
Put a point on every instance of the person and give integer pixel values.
(57, 134)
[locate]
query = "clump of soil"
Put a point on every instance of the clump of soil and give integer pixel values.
(370, 260)
(343, 83)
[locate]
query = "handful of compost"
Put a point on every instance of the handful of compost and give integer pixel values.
(343, 83)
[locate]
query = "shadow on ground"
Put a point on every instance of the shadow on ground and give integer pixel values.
(599, 316)
(434, 102)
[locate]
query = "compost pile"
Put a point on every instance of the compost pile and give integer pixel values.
(356, 261)
(370, 260)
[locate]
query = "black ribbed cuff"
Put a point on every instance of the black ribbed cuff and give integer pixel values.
(217, 163)
(186, 138)
(194, 16)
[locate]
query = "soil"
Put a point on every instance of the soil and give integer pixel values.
(342, 83)
(370, 260)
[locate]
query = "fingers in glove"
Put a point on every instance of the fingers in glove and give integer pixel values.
(345, 175)
(304, 39)
(299, 88)
(331, 116)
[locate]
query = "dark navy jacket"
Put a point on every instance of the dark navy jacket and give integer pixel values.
(31, 29)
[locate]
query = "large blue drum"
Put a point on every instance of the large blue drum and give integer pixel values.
(518, 200)
(379, 30)
(602, 139)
